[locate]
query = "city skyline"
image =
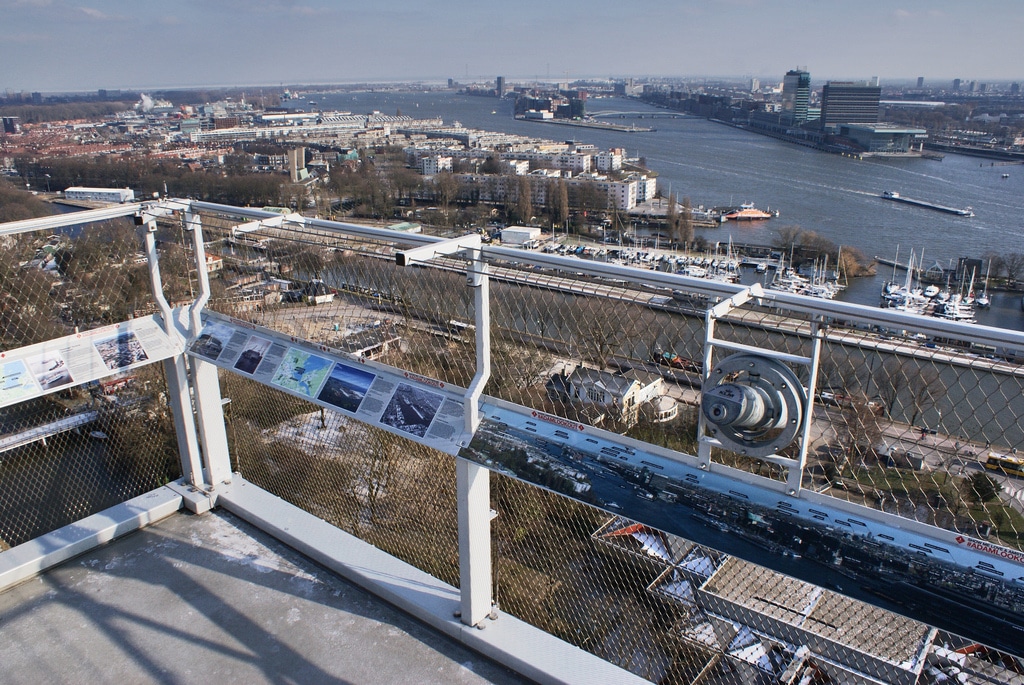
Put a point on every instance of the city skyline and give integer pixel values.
(59, 45)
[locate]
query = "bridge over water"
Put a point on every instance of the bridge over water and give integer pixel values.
(10, 442)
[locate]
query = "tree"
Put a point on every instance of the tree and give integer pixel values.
(524, 203)
(405, 182)
(491, 165)
(851, 262)
(982, 488)
(379, 464)
(602, 328)
(446, 188)
(925, 388)
(515, 368)
(1013, 265)
(788, 238)
(672, 215)
(890, 380)
(558, 203)
(857, 427)
(685, 232)
(996, 266)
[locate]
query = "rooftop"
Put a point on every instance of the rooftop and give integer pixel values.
(210, 598)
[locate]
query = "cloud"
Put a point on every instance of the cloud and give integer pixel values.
(93, 13)
(902, 14)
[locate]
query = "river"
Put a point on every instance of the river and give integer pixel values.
(836, 197)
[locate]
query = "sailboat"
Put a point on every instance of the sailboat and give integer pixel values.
(982, 301)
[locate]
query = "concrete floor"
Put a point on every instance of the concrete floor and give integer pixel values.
(210, 599)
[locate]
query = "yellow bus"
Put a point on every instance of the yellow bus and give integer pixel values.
(1009, 466)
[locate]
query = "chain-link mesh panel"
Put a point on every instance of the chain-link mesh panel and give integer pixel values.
(348, 294)
(904, 421)
(387, 490)
(79, 278)
(73, 453)
(909, 423)
(674, 611)
(555, 329)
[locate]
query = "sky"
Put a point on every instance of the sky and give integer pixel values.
(82, 45)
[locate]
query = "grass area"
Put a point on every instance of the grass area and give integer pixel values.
(946, 498)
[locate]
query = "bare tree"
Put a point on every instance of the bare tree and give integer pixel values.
(890, 380)
(996, 265)
(925, 388)
(684, 233)
(1013, 265)
(515, 368)
(602, 329)
(524, 203)
(446, 188)
(672, 215)
(788, 238)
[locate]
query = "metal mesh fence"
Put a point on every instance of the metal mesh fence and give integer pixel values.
(389, 491)
(675, 611)
(69, 454)
(905, 421)
(347, 294)
(73, 453)
(79, 278)
(916, 424)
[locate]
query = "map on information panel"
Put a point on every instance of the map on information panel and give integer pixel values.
(302, 372)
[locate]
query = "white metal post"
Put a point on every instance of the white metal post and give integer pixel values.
(473, 482)
(477, 278)
(796, 472)
(176, 371)
(473, 486)
(205, 377)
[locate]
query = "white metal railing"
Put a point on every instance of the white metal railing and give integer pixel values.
(196, 403)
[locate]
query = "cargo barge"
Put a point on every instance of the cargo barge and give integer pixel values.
(896, 197)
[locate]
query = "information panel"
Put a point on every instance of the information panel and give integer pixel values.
(423, 409)
(47, 367)
(803, 537)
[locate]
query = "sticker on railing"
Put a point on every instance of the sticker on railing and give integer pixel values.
(416, 407)
(46, 367)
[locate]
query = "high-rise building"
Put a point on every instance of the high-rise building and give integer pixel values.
(499, 86)
(956, 84)
(1015, 88)
(848, 102)
(920, 81)
(796, 92)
